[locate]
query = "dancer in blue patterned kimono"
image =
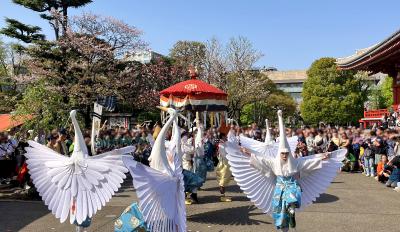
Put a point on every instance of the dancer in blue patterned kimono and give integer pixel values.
(286, 183)
(131, 220)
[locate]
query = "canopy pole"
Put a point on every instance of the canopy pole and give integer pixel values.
(189, 115)
(197, 119)
(205, 119)
(212, 119)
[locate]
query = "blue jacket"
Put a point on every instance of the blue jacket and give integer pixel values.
(395, 176)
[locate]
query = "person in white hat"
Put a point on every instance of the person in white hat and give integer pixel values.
(277, 182)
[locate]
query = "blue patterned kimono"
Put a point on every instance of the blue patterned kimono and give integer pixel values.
(287, 191)
(131, 220)
(200, 167)
(191, 181)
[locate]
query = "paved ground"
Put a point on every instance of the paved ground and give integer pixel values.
(352, 203)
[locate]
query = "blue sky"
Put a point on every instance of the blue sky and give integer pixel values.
(290, 33)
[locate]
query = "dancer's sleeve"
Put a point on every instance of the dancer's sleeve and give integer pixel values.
(316, 174)
(257, 186)
(262, 164)
(258, 148)
(263, 149)
(161, 197)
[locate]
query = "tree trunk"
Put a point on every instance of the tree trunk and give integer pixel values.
(87, 118)
(64, 19)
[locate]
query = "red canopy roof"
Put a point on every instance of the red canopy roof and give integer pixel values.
(193, 87)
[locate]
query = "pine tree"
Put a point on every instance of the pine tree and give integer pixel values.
(47, 9)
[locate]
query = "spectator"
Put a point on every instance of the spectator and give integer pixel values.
(310, 141)
(320, 141)
(335, 138)
(379, 149)
(254, 130)
(61, 145)
(6, 161)
(393, 168)
(368, 158)
(389, 142)
(52, 143)
(396, 150)
(381, 174)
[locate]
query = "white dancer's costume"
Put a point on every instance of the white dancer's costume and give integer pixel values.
(268, 138)
(188, 152)
(274, 184)
(199, 164)
(160, 187)
(78, 185)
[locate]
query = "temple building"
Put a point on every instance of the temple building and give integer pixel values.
(383, 57)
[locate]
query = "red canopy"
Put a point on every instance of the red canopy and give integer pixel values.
(194, 95)
(193, 87)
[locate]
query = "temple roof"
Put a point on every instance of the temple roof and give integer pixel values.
(376, 58)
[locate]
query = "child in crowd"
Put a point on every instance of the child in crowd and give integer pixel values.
(381, 174)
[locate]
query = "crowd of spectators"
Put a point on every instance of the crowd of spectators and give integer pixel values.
(373, 152)
(13, 169)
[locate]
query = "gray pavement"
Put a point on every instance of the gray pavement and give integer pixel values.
(352, 203)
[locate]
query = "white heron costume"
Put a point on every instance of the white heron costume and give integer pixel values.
(160, 187)
(79, 185)
(199, 163)
(277, 186)
(268, 138)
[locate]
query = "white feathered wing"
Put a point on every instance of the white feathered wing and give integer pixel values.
(264, 149)
(76, 188)
(316, 182)
(161, 192)
(156, 192)
(256, 185)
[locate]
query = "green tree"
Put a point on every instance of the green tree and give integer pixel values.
(247, 87)
(387, 91)
(54, 11)
(9, 64)
(45, 105)
(82, 63)
(189, 53)
(23, 32)
(266, 109)
(331, 95)
(381, 96)
(3, 60)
